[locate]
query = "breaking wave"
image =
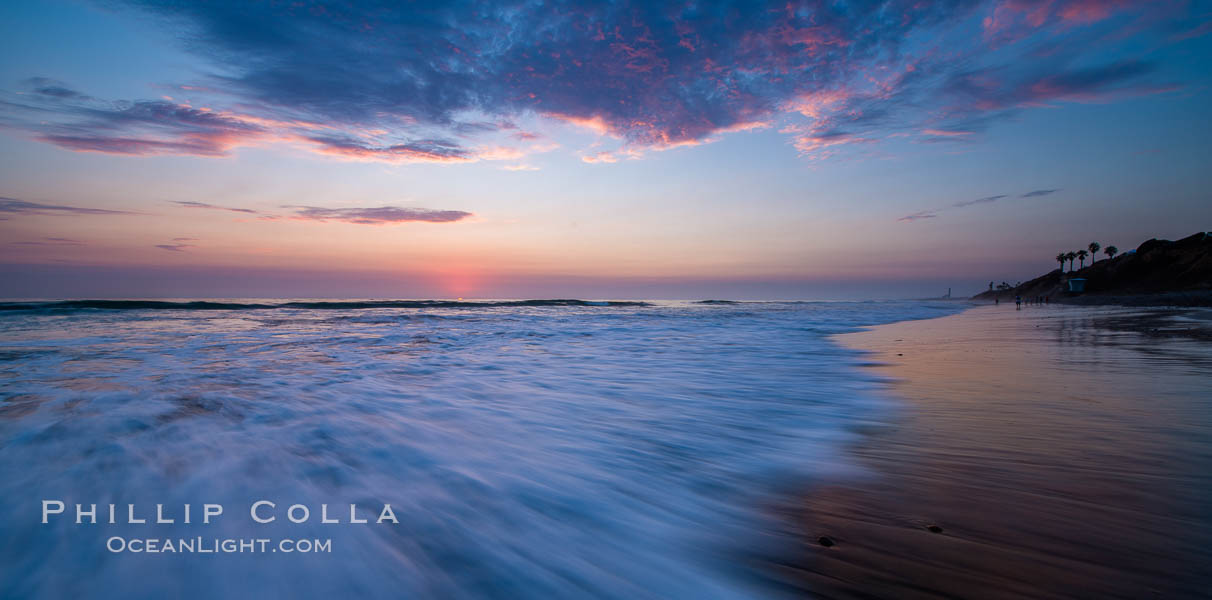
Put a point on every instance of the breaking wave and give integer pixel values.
(541, 449)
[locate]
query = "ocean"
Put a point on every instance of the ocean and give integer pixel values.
(547, 449)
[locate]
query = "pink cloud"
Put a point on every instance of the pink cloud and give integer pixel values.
(946, 133)
(600, 157)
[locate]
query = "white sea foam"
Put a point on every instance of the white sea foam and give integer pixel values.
(569, 450)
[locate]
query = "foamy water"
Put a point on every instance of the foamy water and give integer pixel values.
(528, 449)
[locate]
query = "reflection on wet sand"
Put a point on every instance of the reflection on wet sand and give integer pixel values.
(1045, 452)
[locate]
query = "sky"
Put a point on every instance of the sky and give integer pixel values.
(740, 150)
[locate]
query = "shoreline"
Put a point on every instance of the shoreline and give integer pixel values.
(1048, 452)
(1182, 299)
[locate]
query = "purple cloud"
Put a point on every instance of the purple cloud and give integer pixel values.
(415, 83)
(985, 200)
(1038, 193)
(1003, 88)
(53, 88)
(134, 146)
(21, 207)
(419, 150)
(363, 216)
(58, 115)
(51, 241)
(930, 214)
(918, 216)
(382, 215)
(191, 204)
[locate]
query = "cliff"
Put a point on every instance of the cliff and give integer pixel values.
(1157, 272)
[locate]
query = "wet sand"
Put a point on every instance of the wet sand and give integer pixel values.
(1057, 452)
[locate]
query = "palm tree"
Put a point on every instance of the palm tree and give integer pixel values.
(1093, 247)
(1110, 251)
(1081, 257)
(1070, 256)
(1060, 258)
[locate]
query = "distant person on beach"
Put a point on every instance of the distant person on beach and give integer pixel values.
(1018, 301)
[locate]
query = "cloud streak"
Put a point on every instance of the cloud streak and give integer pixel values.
(930, 214)
(50, 241)
(985, 200)
(918, 216)
(56, 114)
(13, 206)
(191, 204)
(1038, 193)
(432, 150)
(383, 215)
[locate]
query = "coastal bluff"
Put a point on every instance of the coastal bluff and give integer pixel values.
(1158, 272)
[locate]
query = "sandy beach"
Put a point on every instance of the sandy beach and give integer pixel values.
(1047, 452)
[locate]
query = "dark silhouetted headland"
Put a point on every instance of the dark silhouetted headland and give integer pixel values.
(1159, 272)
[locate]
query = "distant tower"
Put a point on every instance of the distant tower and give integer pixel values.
(948, 292)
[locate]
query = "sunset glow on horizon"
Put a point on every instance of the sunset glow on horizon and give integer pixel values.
(803, 150)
